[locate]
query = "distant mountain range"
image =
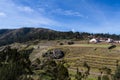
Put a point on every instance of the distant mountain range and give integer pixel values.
(8, 36)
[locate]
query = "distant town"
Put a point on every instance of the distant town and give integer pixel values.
(105, 40)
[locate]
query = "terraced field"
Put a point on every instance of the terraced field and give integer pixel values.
(96, 62)
(96, 55)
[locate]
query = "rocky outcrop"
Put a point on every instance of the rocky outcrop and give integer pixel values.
(55, 54)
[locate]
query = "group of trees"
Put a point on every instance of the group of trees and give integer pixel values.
(15, 65)
(52, 70)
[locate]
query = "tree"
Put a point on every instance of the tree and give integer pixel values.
(105, 74)
(117, 73)
(105, 77)
(53, 70)
(62, 72)
(79, 75)
(87, 72)
(13, 64)
(83, 74)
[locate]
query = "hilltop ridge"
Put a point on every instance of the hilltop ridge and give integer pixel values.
(9, 36)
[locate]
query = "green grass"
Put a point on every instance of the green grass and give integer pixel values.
(92, 79)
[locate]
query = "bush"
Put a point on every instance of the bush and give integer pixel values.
(61, 44)
(112, 46)
(54, 54)
(105, 77)
(54, 71)
(13, 64)
(117, 73)
(70, 43)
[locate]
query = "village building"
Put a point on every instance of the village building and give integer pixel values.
(94, 40)
(109, 40)
(116, 41)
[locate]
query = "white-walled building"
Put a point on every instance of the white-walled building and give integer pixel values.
(109, 40)
(94, 40)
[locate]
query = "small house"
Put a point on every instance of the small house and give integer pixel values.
(94, 40)
(109, 40)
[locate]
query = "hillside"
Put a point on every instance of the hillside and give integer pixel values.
(97, 56)
(9, 36)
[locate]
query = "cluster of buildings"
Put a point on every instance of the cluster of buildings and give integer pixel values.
(108, 40)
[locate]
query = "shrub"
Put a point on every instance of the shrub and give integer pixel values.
(105, 77)
(70, 43)
(61, 44)
(13, 64)
(117, 73)
(112, 46)
(54, 71)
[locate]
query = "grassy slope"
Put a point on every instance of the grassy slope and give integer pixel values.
(97, 55)
(78, 53)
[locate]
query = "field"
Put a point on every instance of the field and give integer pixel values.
(95, 55)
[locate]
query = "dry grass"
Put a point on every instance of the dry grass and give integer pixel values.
(96, 55)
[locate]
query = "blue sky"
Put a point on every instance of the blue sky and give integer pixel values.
(95, 16)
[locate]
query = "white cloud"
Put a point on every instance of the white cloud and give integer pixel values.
(26, 9)
(67, 12)
(2, 14)
(15, 12)
(72, 13)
